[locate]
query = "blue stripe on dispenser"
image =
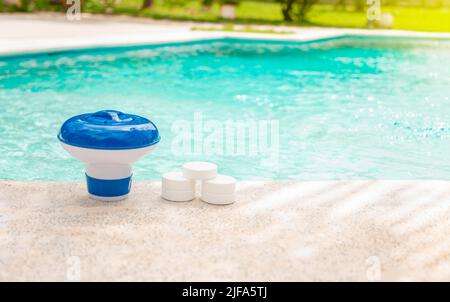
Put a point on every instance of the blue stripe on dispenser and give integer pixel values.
(108, 188)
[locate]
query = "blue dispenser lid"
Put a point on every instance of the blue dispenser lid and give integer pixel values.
(109, 130)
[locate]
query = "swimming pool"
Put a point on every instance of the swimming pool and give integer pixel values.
(346, 108)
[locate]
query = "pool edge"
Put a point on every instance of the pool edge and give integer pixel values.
(189, 37)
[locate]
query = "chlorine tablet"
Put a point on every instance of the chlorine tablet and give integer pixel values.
(219, 190)
(175, 187)
(176, 181)
(178, 195)
(199, 170)
(219, 199)
(221, 184)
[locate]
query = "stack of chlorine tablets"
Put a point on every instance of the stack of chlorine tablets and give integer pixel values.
(215, 188)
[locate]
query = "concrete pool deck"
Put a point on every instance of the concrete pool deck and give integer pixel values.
(21, 33)
(276, 231)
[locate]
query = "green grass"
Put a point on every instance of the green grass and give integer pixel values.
(408, 18)
(248, 12)
(253, 12)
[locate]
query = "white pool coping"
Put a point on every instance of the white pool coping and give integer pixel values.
(276, 231)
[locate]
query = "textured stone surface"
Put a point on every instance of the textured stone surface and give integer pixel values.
(276, 231)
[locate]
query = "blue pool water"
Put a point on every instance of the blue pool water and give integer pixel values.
(346, 108)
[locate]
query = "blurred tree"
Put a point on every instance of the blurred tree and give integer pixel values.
(305, 6)
(286, 9)
(295, 9)
(25, 5)
(340, 4)
(207, 3)
(360, 5)
(147, 4)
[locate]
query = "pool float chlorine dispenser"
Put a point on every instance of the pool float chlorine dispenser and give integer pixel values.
(108, 142)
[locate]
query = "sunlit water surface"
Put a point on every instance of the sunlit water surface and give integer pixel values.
(349, 108)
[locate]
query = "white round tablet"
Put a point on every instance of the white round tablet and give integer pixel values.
(221, 184)
(178, 195)
(199, 170)
(219, 199)
(176, 181)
